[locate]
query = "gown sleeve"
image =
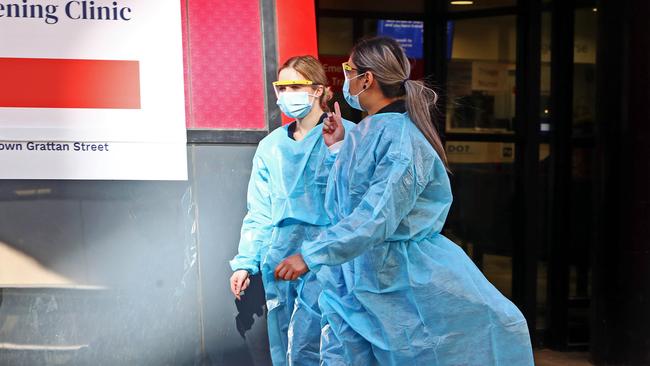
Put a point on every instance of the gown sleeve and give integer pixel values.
(391, 195)
(257, 225)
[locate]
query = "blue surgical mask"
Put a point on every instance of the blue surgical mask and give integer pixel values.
(295, 104)
(353, 100)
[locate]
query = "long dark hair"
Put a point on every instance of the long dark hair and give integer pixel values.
(386, 59)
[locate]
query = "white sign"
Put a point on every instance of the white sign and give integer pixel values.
(488, 76)
(467, 152)
(91, 90)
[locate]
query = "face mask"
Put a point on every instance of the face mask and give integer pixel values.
(353, 100)
(295, 104)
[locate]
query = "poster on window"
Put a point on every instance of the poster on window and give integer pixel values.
(409, 34)
(92, 90)
(489, 76)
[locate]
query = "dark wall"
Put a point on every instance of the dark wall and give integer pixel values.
(147, 263)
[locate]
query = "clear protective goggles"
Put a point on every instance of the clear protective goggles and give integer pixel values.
(347, 71)
(290, 86)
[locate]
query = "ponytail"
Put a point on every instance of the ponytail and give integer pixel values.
(420, 100)
(391, 68)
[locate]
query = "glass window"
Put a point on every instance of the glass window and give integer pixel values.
(107, 272)
(545, 79)
(335, 39)
(384, 6)
(581, 194)
(544, 207)
(584, 71)
(481, 75)
(409, 34)
(335, 36)
(480, 220)
(583, 162)
(370, 27)
(84, 264)
(544, 174)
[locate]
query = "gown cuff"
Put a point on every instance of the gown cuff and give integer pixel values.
(334, 149)
(313, 267)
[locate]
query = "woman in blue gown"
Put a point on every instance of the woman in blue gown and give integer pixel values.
(285, 208)
(395, 290)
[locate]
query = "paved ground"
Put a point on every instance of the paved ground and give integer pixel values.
(546, 357)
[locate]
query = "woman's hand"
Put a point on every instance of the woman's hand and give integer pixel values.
(239, 282)
(291, 268)
(333, 130)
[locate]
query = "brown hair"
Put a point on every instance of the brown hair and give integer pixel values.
(386, 59)
(309, 67)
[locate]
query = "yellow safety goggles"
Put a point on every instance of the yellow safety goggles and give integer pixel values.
(290, 85)
(347, 70)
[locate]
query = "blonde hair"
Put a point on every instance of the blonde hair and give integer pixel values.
(309, 67)
(385, 58)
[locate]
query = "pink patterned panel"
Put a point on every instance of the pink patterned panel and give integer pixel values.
(225, 78)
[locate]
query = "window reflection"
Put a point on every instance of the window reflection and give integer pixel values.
(481, 75)
(480, 220)
(584, 72)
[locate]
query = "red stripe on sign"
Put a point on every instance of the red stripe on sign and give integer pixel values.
(64, 83)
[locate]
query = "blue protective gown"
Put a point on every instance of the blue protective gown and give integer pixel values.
(285, 208)
(396, 291)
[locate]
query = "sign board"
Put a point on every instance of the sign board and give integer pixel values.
(489, 76)
(469, 152)
(92, 90)
(409, 34)
(334, 70)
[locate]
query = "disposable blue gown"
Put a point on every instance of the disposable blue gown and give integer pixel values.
(396, 291)
(285, 208)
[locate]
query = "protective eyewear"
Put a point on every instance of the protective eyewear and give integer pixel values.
(290, 85)
(347, 70)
